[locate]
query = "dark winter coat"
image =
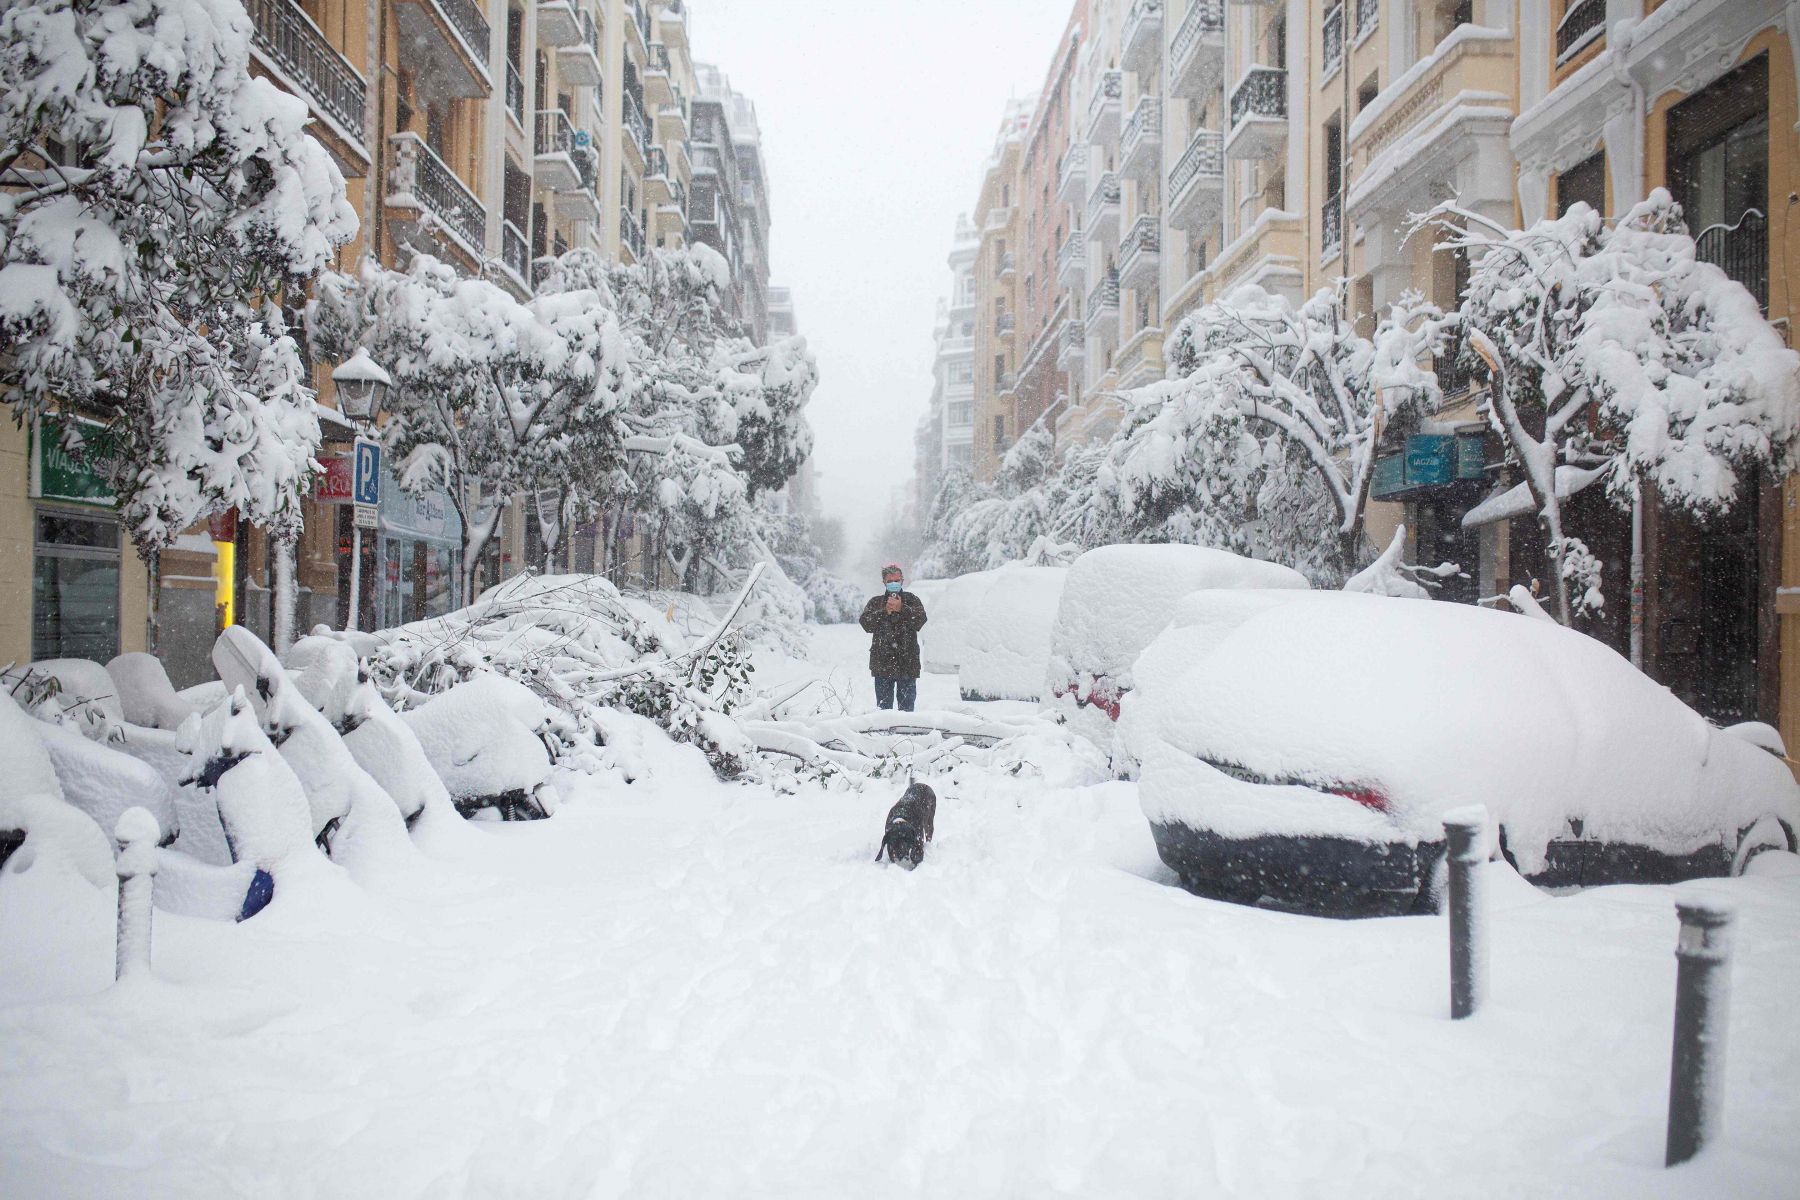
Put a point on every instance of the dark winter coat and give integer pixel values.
(894, 650)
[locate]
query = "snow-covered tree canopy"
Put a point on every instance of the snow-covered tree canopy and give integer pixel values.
(492, 397)
(156, 204)
(1612, 348)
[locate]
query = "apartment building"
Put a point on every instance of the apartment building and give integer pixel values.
(998, 230)
(490, 134)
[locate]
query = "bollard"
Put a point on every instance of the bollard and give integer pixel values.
(1702, 993)
(137, 833)
(1466, 850)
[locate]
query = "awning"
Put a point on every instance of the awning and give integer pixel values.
(331, 416)
(1516, 501)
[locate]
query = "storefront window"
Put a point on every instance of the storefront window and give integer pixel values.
(75, 587)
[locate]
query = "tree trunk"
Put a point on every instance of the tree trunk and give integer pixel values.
(153, 601)
(284, 593)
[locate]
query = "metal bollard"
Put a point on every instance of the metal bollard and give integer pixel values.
(1702, 994)
(1464, 832)
(136, 833)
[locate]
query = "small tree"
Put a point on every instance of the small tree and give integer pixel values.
(492, 398)
(1613, 349)
(157, 202)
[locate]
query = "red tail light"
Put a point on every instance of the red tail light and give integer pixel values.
(1369, 798)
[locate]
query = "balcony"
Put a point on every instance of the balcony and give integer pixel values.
(1332, 42)
(1331, 228)
(1197, 51)
(637, 24)
(582, 203)
(1071, 176)
(554, 165)
(558, 23)
(425, 198)
(1071, 261)
(1102, 321)
(1741, 250)
(672, 120)
(659, 89)
(515, 255)
(1140, 360)
(515, 95)
(1008, 266)
(1197, 184)
(1103, 207)
(1140, 155)
(656, 177)
(298, 54)
(1071, 351)
(1006, 383)
(1271, 253)
(671, 24)
(1141, 45)
(1103, 107)
(579, 62)
(1140, 254)
(631, 235)
(1004, 324)
(446, 42)
(1368, 19)
(1259, 124)
(1583, 23)
(637, 128)
(1473, 67)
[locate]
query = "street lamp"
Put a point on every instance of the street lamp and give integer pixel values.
(362, 385)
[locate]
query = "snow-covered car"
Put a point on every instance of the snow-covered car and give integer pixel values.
(1300, 749)
(483, 738)
(950, 606)
(1116, 600)
(1008, 633)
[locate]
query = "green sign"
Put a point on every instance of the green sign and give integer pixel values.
(57, 474)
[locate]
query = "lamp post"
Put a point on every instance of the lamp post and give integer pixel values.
(362, 385)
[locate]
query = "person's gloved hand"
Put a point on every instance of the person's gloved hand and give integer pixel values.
(893, 603)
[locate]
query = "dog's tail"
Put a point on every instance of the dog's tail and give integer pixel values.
(880, 848)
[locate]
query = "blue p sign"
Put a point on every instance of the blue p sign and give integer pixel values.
(365, 484)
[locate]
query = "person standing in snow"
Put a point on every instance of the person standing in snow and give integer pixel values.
(894, 618)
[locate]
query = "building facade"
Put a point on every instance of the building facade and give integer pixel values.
(491, 134)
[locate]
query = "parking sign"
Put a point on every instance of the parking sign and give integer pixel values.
(365, 487)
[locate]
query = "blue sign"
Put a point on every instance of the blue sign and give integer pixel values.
(1471, 457)
(582, 139)
(1430, 459)
(365, 478)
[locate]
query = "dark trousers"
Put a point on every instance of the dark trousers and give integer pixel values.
(906, 691)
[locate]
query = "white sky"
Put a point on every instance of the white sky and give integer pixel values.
(876, 118)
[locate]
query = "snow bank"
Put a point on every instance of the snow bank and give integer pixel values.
(87, 693)
(57, 834)
(146, 697)
(481, 739)
(1434, 707)
(104, 782)
(1008, 634)
(1116, 600)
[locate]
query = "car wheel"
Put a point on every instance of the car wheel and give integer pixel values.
(1765, 833)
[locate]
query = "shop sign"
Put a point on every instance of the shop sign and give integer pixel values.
(333, 487)
(430, 517)
(1471, 457)
(365, 481)
(366, 516)
(1429, 460)
(57, 474)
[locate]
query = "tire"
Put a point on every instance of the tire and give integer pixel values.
(1765, 833)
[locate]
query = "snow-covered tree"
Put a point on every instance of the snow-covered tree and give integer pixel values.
(492, 398)
(1265, 439)
(157, 203)
(1612, 349)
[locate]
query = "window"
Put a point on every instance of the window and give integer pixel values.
(1719, 172)
(75, 587)
(1371, 88)
(961, 371)
(962, 413)
(999, 429)
(1586, 182)
(999, 368)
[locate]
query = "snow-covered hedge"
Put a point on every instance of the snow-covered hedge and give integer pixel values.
(835, 601)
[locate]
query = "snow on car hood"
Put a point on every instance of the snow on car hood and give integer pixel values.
(1436, 706)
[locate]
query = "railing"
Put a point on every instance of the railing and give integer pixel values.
(1331, 226)
(1203, 16)
(631, 234)
(1145, 237)
(1007, 263)
(587, 167)
(1106, 191)
(656, 162)
(515, 94)
(1140, 12)
(288, 36)
(635, 124)
(466, 17)
(678, 197)
(640, 18)
(1582, 22)
(1368, 16)
(1111, 86)
(1075, 335)
(1205, 155)
(1072, 253)
(554, 133)
(1074, 160)
(659, 57)
(590, 33)
(420, 173)
(1741, 251)
(1006, 381)
(1333, 33)
(515, 252)
(1146, 121)
(1262, 93)
(1454, 369)
(1104, 294)
(1005, 323)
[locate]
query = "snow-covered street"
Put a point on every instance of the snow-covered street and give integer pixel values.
(686, 988)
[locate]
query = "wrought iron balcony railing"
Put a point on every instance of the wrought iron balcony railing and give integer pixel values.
(1582, 22)
(1104, 295)
(555, 135)
(1741, 250)
(1106, 192)
(515, 252)
(293, 43)
(1331, 226)
(1261, 93)
(1205, 155)
(1108, 89)
(631, 234)
(515, 93)
(466, 17)
(418, 172)
(1368, 16)
(656, 162)
(1333, 35)
(1203, 16)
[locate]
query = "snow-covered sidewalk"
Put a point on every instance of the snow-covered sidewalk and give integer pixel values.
(686, 988)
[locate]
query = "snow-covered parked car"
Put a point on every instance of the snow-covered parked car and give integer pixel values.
(1008, 633)
(1300, 749)
(483, 738)
(1117, 599)
(950, 606)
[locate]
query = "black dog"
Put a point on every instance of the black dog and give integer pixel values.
(909, 827)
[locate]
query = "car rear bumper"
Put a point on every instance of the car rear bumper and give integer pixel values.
(1317, 874)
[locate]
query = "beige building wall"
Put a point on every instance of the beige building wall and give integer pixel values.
(997, 224)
